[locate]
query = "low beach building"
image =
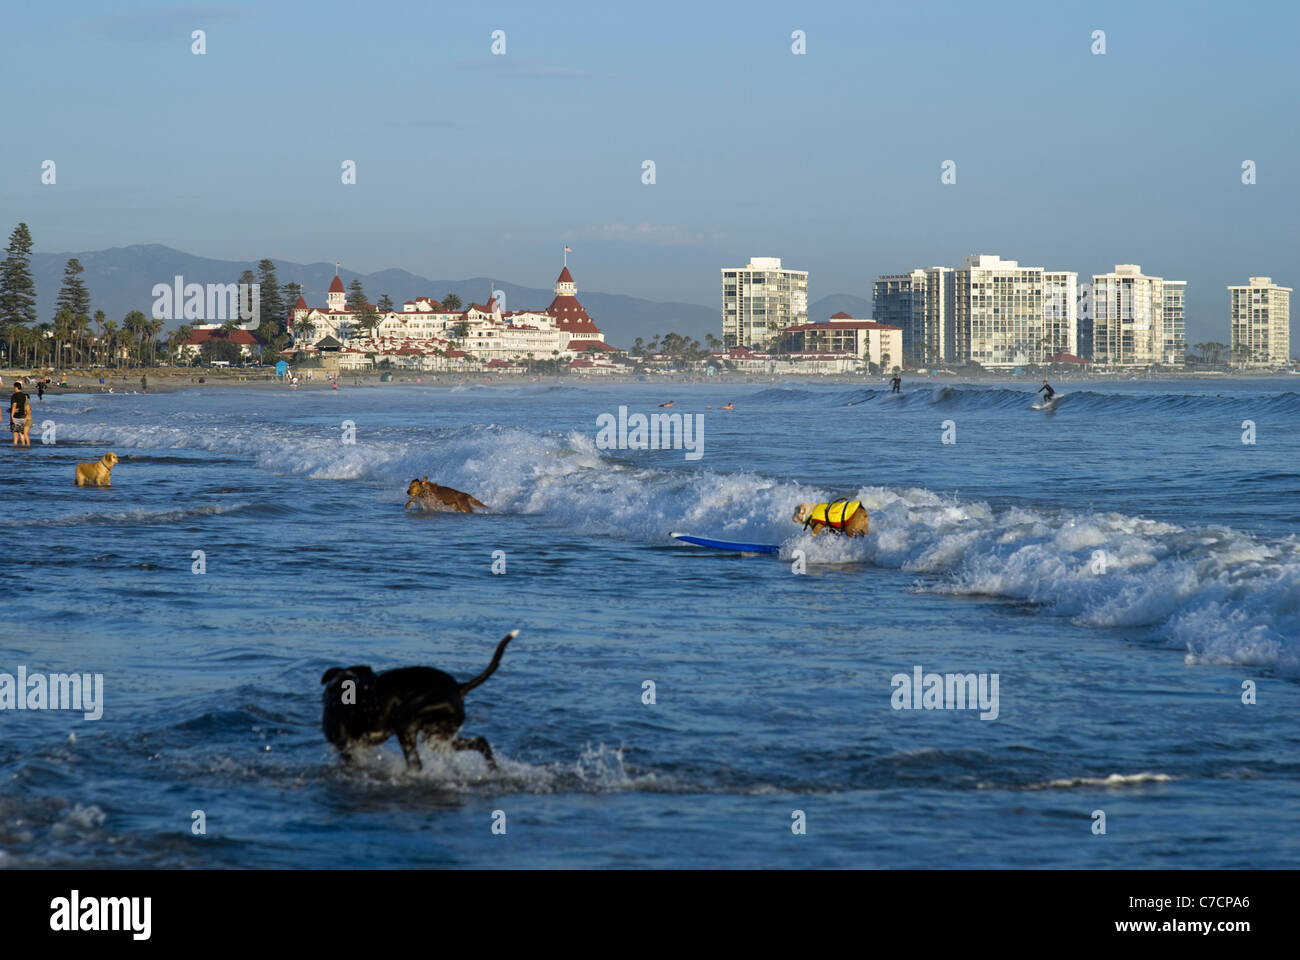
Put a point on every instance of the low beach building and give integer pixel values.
(864, 341)
(248, 342)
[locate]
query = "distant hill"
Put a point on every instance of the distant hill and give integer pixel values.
(121, 279)
(827, 307)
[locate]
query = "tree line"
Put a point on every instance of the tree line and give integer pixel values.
(79, 336)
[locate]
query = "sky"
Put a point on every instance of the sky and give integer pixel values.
(470, 163)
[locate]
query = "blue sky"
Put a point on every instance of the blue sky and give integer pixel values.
(471, 164)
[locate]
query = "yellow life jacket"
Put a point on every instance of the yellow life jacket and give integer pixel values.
(835, 515)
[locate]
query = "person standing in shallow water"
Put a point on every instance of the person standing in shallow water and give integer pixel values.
(898, 384)
(20, 415)
(144, 383)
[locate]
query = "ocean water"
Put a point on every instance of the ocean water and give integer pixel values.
(1123, 565)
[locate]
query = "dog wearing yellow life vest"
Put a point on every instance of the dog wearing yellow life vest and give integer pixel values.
(847, 517)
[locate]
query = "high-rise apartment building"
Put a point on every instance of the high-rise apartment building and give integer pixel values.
(1008, 315)
(891, 302)
(1260, 322)
(759, 300)
(1128, 310)
(1060, 332)
(1175, 323)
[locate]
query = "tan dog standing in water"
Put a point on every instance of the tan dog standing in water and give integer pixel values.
(432, 495)
(97, 474)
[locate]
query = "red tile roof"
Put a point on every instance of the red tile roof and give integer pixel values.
(301, 304)
(840, 325)
(589, 345)
(243, 337)
(337, 285)
(570, 316)
(565, 276)
(841, 316)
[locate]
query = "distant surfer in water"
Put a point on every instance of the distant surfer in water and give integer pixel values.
(1047, 396)
(898, 383)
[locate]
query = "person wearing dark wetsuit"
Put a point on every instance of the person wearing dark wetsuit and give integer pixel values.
(1047, 397)
(40, 389)
(898, 383)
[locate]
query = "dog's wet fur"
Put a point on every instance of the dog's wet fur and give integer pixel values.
(98, 473)
(432, 496)
(410, 702)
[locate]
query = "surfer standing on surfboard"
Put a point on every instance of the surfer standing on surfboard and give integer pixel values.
(1047, 397)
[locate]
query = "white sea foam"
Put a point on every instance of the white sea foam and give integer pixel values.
(1223, 595)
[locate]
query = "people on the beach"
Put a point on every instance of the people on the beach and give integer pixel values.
(40, 390)
(144, 383)
(898, 383)
(1047, 396)
(20, 416)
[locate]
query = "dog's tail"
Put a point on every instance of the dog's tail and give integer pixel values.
(491, 667)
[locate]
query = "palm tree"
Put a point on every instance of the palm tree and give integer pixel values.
(451, 303)
(135, 325)
(178, 336)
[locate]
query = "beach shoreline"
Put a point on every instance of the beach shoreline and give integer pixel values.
(170, 380)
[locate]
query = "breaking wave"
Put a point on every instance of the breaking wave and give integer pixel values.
(1221, 594)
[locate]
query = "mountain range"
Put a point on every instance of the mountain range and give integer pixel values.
(121, 279)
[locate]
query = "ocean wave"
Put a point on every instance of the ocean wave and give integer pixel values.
(1223, 595)
(136, 517)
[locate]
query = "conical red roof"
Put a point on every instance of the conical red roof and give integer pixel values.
(565, 276)
(570, 316)
(337, 285)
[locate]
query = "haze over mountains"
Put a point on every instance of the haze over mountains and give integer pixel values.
(121, 279)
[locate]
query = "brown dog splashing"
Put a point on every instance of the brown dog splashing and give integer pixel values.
(434, 496)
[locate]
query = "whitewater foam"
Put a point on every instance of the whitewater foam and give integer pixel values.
(1225, 596)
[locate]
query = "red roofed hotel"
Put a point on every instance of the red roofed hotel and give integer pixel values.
(868, 341)
(422, 332)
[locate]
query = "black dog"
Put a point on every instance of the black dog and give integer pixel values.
(410, 702)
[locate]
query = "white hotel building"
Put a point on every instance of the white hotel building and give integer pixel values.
(759, 300)
(1260, 319)
(422, 335)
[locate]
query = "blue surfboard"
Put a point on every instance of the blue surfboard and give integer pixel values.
(727, 544)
